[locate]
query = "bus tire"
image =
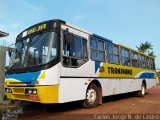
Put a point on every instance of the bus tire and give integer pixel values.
(141, 93)
(92, 97)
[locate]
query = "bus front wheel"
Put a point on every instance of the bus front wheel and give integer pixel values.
(141, 93)
(92, 97)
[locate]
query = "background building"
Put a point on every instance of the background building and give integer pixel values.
(2, 66)
(3, 34)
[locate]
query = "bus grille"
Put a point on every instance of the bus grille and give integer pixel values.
(18, 90)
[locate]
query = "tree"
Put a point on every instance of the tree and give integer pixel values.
(152, 54)
(146, 48)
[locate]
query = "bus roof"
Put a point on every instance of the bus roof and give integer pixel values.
(92, 34)
(78, 28)
(102, 38)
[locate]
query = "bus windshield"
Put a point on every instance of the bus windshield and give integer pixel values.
(32, 51)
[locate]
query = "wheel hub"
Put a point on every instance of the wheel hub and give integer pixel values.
(143, 90)
(91, 96)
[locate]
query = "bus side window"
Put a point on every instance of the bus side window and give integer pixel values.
(84, 45)
(142, 61)
(112, 53)
(152, 64)
(134, 56)
(97, 49)
(74, 51)
(125, 56)
(147, 63)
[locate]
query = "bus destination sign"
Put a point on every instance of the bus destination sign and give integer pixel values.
(34, 29)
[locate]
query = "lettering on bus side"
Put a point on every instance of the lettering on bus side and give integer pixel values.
(112, 70)
(36, 29)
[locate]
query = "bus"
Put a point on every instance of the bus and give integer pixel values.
(57, 62)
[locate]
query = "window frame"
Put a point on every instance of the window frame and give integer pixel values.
(148, 65)
(134, 59)
(97, 50)
(152, 63)
(142, 61)
(112, 53)
(125, 58)
(71, 58)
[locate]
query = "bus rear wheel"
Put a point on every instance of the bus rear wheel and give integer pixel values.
(141, 93)
(92, 97)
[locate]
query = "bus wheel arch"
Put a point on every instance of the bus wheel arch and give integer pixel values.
(94, 89)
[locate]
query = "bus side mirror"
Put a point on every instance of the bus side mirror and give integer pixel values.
(9, 51)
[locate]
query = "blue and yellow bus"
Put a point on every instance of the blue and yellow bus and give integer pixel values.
(56, 62)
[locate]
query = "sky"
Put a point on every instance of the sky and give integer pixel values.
(127, 22)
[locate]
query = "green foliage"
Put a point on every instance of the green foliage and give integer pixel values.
(146, 48)
(7, 67)
(152, 54)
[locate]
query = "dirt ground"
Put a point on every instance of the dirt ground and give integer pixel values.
(117, 107)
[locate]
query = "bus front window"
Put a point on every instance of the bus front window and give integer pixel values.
(36, 50)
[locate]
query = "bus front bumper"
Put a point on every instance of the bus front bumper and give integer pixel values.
(42, 94)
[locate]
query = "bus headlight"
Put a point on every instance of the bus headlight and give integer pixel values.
(8, 90)
(34, 91)
(31, 91)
